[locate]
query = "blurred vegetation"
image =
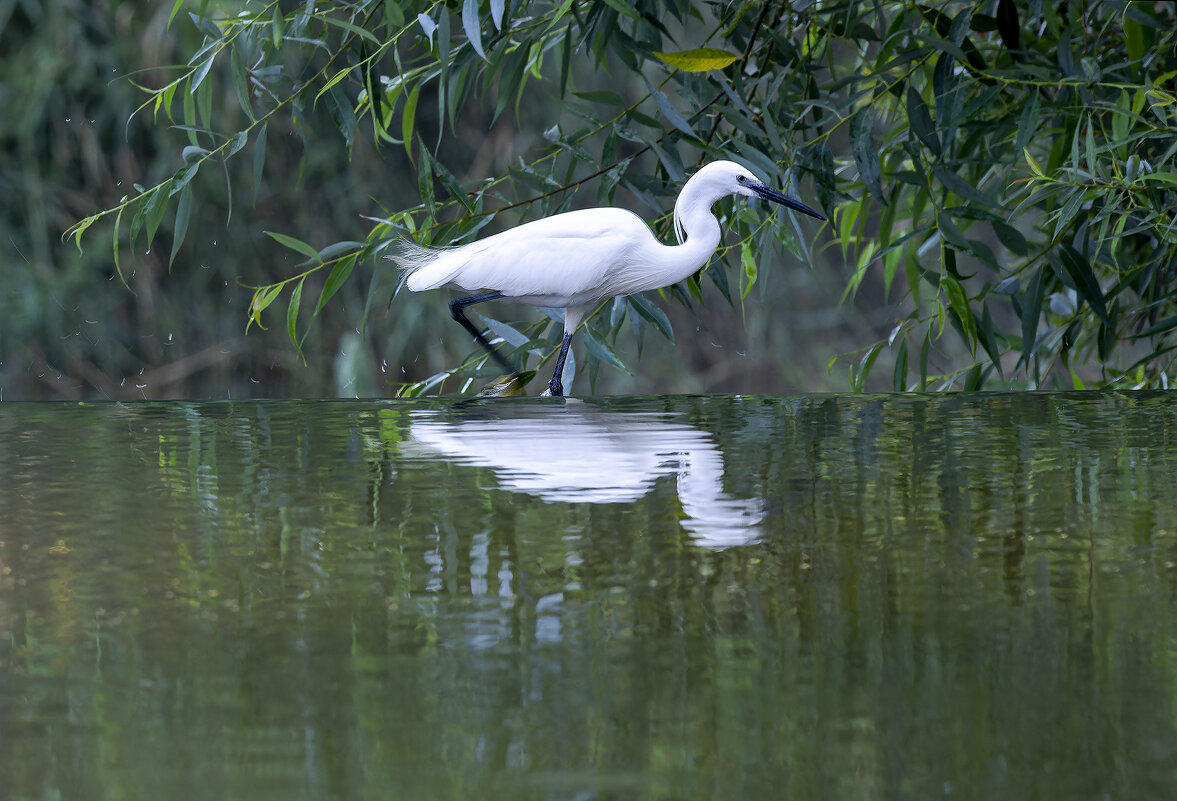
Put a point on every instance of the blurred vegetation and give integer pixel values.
(337, 127)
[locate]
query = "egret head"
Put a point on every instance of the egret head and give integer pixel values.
(721, 178)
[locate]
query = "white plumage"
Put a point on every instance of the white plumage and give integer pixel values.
(576, 260)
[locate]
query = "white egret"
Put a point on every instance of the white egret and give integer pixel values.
(576, 260)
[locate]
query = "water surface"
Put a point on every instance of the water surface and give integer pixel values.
(640, 598)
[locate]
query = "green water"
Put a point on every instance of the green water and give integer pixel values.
(968, 597)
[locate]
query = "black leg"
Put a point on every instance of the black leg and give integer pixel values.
(555, 386)
(458, 309)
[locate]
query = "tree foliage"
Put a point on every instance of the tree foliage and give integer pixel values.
(1006, 170)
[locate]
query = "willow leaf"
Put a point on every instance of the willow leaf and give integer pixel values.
(294, 244)
(702, 59)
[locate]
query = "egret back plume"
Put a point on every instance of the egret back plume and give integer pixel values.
(411, 257)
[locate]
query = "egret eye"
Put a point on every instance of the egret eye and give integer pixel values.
(740, 179)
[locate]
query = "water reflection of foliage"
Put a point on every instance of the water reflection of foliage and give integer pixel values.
(275, 590)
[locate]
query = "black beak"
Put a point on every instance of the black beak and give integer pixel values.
(768, 193)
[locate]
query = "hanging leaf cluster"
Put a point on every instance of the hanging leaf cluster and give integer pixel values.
(1005, 172)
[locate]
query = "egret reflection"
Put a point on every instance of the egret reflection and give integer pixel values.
(577, 453)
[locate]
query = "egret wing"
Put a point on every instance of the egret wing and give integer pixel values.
(561, 260)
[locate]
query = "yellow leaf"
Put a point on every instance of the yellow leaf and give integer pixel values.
(702, 59)
(1033, 164)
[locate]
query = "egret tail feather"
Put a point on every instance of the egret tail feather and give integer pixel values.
(424, 268)
(410, 257)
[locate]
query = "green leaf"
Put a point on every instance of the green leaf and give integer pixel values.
(182, 177)
(350, 28)
(1137, 38)
(183, 213)
(1069, 211)
(136, 226)
(1033, 164)
(943, 45)
(858, 375)
(294, 244)
(470, 24)
(262, 298)
(1011, 237)
(671, 114)
(236, 143)
(1169, 178)
(601, 349)
(1031, 312)
(339, 76)
(948, 230)
(1027, 127)
(1165, 325)
(921, 120)
(962, 188)
(339, 274)
(751, 271)
(989, 339)
(190, 120)
(866, 154)
(554, 17)
(336, 249)
(701, 59)
(959, 302)
(241, 81)
(741, 121)
(717, 272)
(899, 379)
(394, 15)
(1008, 26)
(200, 75)
(974, 378)
(344, 115)
(165, 97)
(259, 159)
(277, 27)
(911, 268)
(948, 88)
(175, 10)
(428, 26)
(925, 349)
(292, 315)
(509, 334)
(204, 102)
(446, 178)
(443, 57)
(652, 314)
(407, 118)
(1107, 337)
(114, 244)
(1085, 281)
(153, 209)
(623, 7)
